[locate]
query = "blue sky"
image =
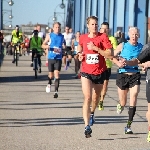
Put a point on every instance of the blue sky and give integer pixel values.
(36, 11)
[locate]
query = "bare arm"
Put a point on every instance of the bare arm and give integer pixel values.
(116, 52)
(118, 49)
(79, 48)
(44, 45)
(72, 44)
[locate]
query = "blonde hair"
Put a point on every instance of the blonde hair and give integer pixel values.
(91, 17)
(57, 23)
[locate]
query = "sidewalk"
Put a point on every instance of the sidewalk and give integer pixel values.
(31, 119)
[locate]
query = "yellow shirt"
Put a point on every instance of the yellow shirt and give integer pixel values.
(114, 45)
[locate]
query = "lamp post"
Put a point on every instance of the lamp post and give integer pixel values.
(48, 22)
(10, 3)
(10, 15)
(62, 6)
(10, 23)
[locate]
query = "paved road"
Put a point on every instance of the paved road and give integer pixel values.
(31, 119)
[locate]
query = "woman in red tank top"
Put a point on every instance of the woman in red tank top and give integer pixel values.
(93, 47)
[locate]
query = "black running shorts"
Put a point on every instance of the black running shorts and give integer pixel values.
(125, 81)
(148, 90)
(108, 73)
(96, 79)
(67, 51)
(54, 64)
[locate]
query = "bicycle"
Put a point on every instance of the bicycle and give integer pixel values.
(36, 62)
(17, 52)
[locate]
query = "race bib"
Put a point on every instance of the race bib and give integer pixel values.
(76, 48)
(92, 58)
(57, 50)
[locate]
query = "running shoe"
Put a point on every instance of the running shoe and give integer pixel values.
(101, 107)
(148, 138)
(119, 109)
(55, 95)
(31, 65)
(46, 64)
(48, 88)
(87, 131)
(40, 70)
(128, 130)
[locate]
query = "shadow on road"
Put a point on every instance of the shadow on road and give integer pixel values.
(32, 78)
(58, 121)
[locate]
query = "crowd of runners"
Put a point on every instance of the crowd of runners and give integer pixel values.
(94, 53)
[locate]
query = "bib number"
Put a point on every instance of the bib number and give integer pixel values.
(92, 58)
(57, 50)
(76, 48)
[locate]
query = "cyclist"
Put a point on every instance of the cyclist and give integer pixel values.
(16, 37)
(36, 43)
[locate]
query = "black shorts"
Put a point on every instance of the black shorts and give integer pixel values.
(67, 51)
(107, 73)
(54, 64)
(125, 81)
(148, 90)
(96, 79)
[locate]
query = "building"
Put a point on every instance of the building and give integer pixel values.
(121, 14)
(26, 29)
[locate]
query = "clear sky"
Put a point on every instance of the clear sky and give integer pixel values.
(35, 11)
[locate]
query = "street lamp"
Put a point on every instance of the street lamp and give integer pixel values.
(62, 6)
(10, 23)
(48, 22)
(10, 3)
(5, 11)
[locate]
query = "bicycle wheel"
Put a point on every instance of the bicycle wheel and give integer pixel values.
(16, 58)
(35, 67)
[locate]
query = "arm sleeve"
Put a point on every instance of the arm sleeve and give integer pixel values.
(106, 42)
(145, 54)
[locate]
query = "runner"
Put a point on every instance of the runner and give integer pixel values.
(144, 58)
(75, 42)
(128, 78)
(105, 29)
(56, 40)
(67, 52)
(92, 50)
